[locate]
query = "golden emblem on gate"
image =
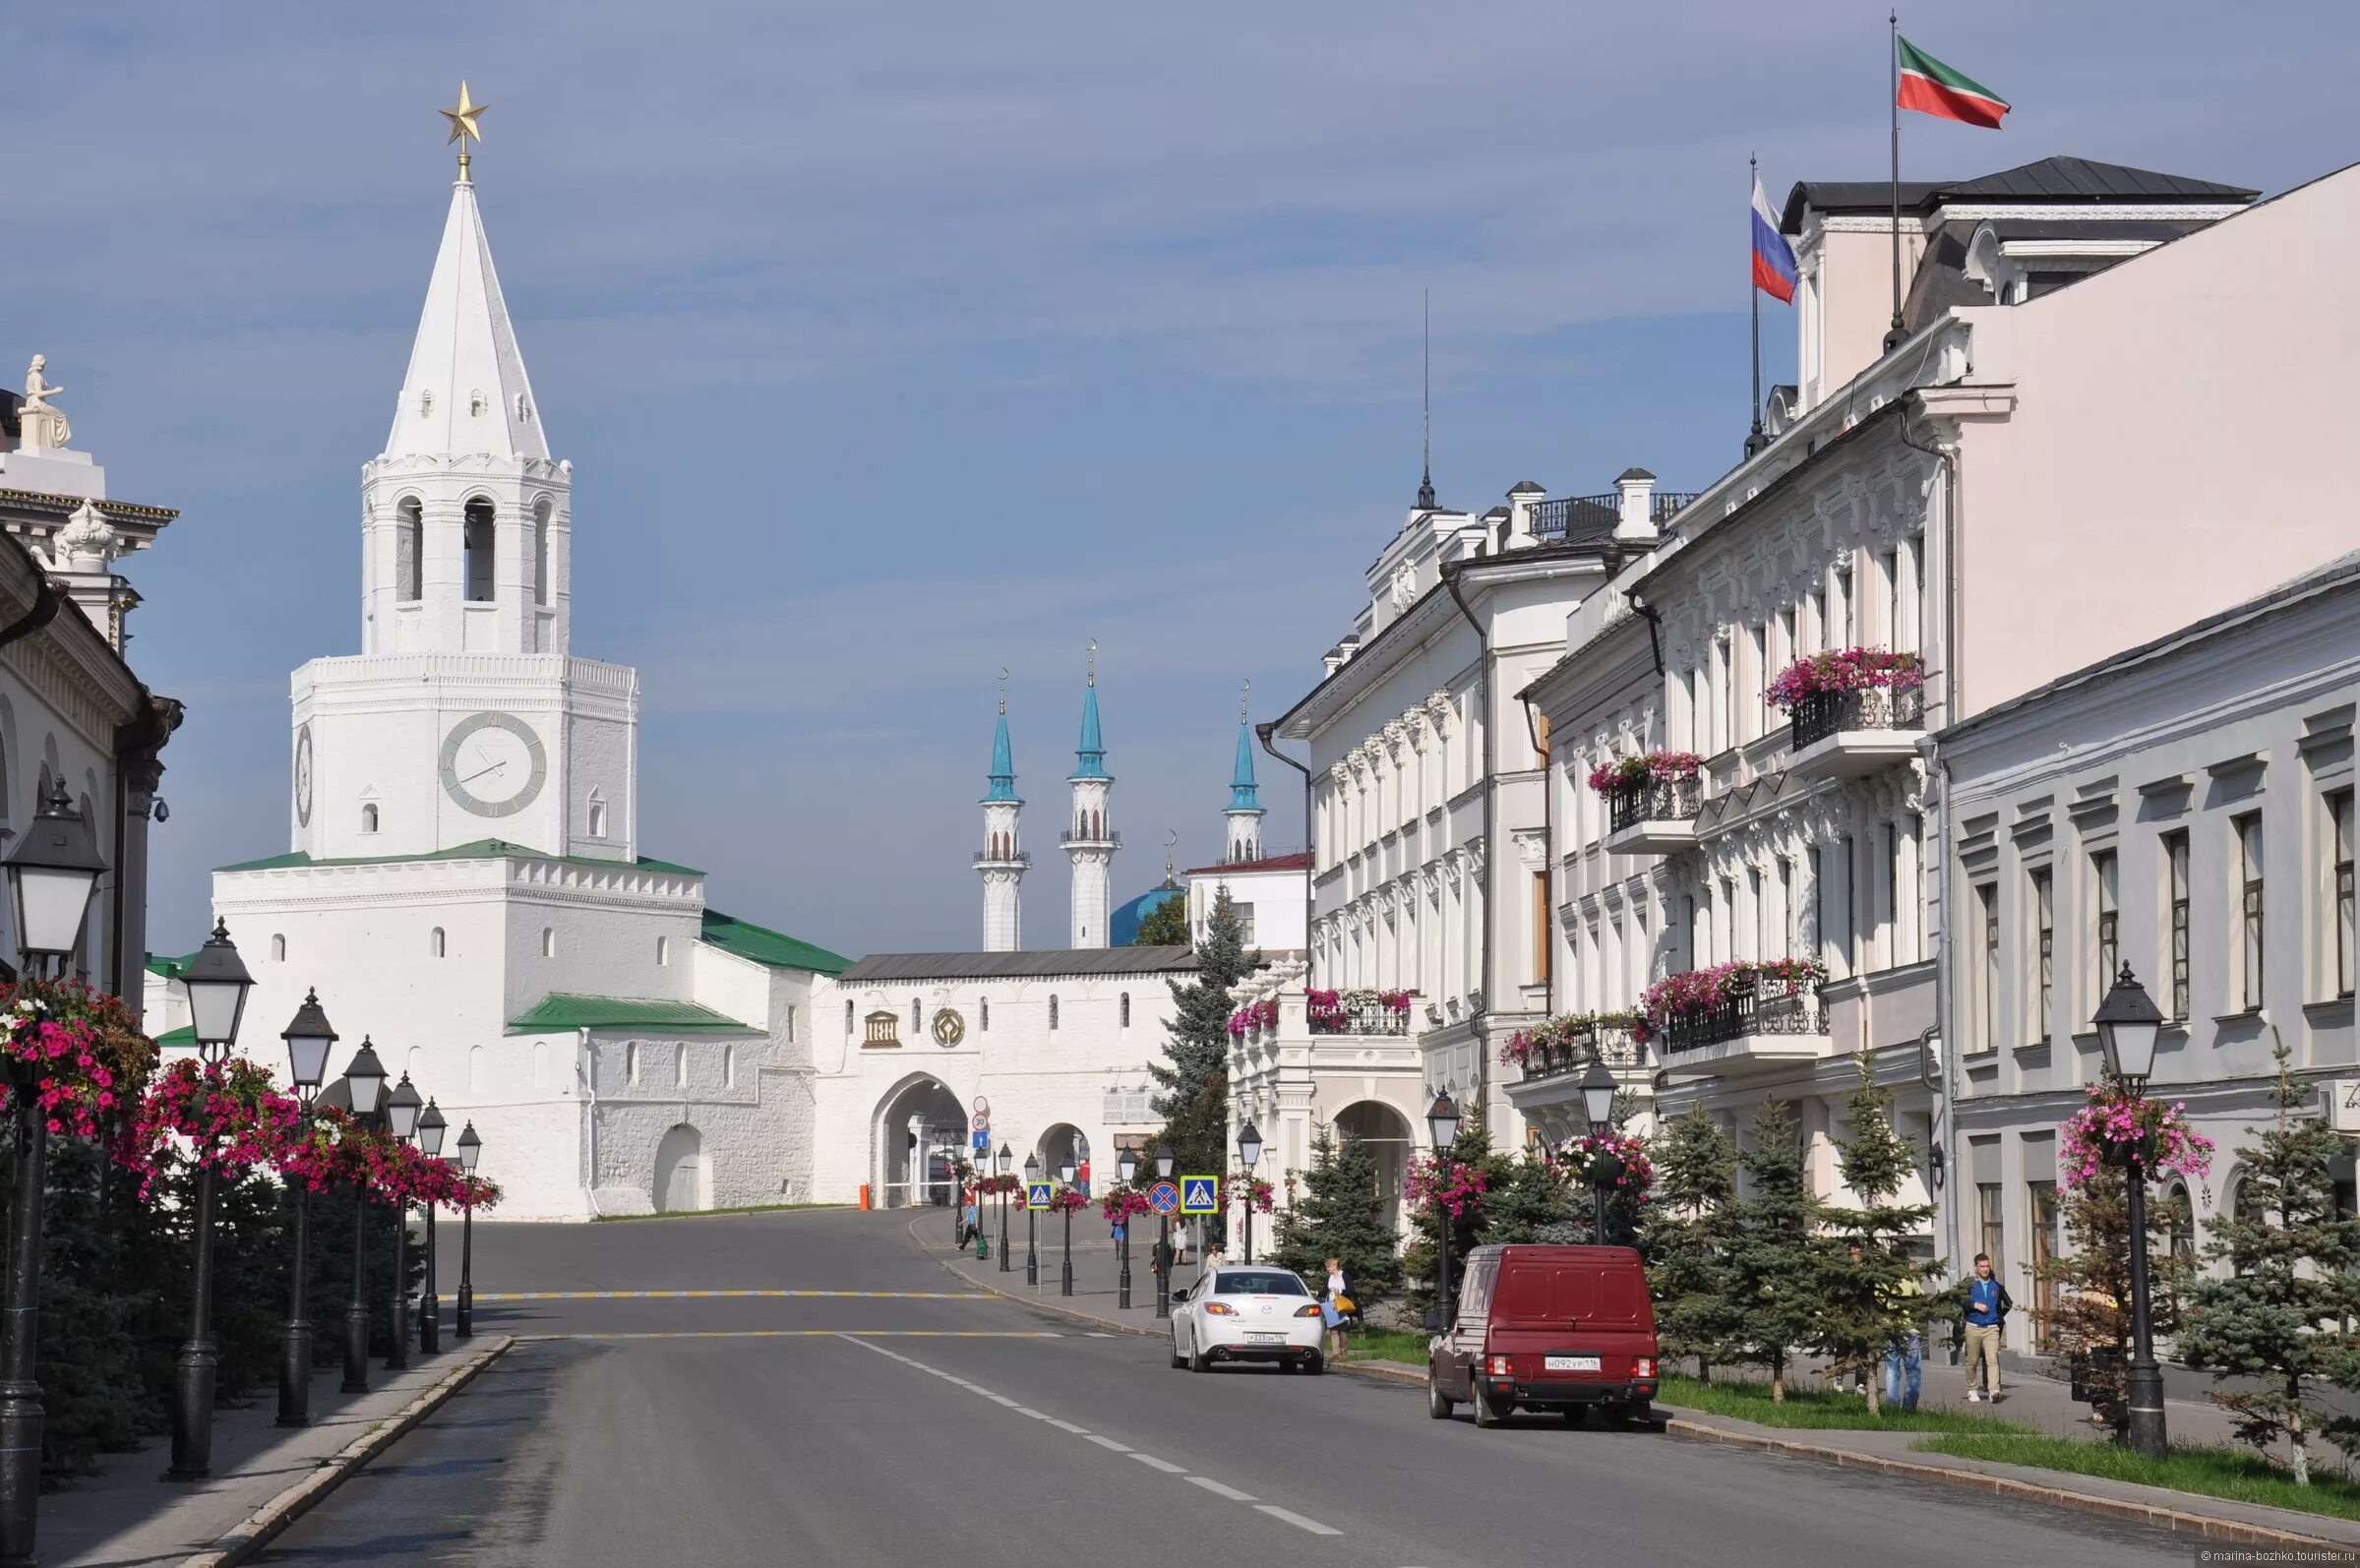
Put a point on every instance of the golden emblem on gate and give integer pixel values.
(949, 1027)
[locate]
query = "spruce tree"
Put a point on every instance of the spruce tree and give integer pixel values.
(2090, 1286)
(1530, 1200)
(1778, 1258)
(1420, 1263)
(1193, 1080)
(1689, 1240)
(1338, 1213)
(2281, 1315)
(1872, 1300)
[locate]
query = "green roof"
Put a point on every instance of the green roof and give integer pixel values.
(763, 946)
(558, 1010)
(185, 1035)
(480, 849)
(167, 966)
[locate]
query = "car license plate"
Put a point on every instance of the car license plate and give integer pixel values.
(1265, 1339)
(1570, 1364)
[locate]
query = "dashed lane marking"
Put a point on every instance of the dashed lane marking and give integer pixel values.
(1164, 1465)
(1297, 1520)
(1108, 1442)
(1068, 1427)
(1220, 1490)
(700, 1295)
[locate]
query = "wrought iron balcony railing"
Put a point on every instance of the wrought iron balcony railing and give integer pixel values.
(1579, 517)
(1022, 857)
(1878, 708)
(1647, 798)
(1745, 1013)
(1360, 1018)
(1612, 1045)
(1084, 836)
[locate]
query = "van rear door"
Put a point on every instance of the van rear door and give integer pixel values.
(1567, 1317)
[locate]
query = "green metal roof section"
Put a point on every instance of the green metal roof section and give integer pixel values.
(167, 966)
(480, 849)
(185, 1035)
(560, 1012)
(776, 950)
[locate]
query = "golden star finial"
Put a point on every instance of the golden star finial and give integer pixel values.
(462, 118)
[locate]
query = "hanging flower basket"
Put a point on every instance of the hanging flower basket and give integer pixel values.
(1655, 767)
(222, 1116)
(2116, 1125)
(1612, 1159)
(1068, 1200)
(1120, 1203)
(77, 1052)
(1444, 1185)
(1845, 670)
(1250, 1190)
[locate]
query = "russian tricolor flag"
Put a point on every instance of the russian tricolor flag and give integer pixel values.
(1774, 258)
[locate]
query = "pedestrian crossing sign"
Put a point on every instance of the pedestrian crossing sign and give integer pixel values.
(1200, 1194)
(1037, 1194)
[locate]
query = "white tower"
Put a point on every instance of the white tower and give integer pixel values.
(1090, 844)
(465, 717)
(1002, 860)
(1244, 811)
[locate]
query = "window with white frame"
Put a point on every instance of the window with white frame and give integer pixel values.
(2176, 920)
(2248, 832)
(2043, 900)
(2105, 923)
(2339, 892)
(1756, 677)
(1987, 982)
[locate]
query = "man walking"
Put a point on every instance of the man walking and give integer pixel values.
(1987, 1309)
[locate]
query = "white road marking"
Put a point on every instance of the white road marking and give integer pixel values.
(1218, 1489)
(1027, 1410)
(1295, 1519)
(1068, 1427)
(1164, 1465)
(1108, 1442)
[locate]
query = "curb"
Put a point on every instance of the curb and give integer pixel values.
(260, 1528)
(2155, 1515)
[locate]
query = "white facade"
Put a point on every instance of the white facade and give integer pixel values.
(2184, 809)
(1269, 896)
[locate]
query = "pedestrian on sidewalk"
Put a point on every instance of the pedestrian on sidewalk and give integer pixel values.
(1158, 1260)
(1987, 1309)
(970, 1221)
(1335, 1305)
(1905, 1354)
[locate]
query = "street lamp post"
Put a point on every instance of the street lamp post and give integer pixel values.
(52, 871)
(309, 1039)
(1032, 1260)
(1597, 1103)
(2128, 1022)
(1066, 1173)
(1163, 1163)
(470, 1150)
(1250, 1150)
(1126, 1164)
(999, 1164)
(364, 1082)
(1443, 1126)
(431, 1126)
(402, 1106)
(217, 983)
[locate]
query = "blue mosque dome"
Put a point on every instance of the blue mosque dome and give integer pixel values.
(1122, 925)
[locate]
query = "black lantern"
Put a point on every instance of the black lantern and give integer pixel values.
(470, 1148)
(308, 1039)
(402, 1106)
(1442, 1123)
(217, 983)
(52, 871)
(366, 1078)
(1128, 1165)
(1066, 1169)
(1599, 1089)
(1032, 1168)
(2128, 1024)
(430, 1130)
(1165, 1159)
(1250, 1145)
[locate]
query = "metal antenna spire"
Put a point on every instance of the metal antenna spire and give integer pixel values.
(1426, 484)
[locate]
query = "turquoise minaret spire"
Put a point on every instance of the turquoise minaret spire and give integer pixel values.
(1090, 843)
(1244, 812)
(1001, 861)
(1091, 754)
(1004, 764)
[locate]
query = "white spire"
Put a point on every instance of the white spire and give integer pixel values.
(466, 390)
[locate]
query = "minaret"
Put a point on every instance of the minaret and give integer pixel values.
(1244, 812)
(1089, 842)
(1001, 861)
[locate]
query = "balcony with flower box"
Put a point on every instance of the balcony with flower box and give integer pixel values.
(1652, 802)
(1852, 711)
(1357, 1012)
(1552, 1057)
(1739, 1015)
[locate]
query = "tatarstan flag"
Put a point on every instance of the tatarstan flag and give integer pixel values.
(1931, 88)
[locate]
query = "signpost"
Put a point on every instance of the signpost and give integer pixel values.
(1163, 1197)
(1200, 1194)
(1038, 1194)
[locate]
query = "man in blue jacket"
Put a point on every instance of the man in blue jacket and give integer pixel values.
(1987, 1309)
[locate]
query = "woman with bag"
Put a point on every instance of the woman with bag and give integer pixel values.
(1335, 1307)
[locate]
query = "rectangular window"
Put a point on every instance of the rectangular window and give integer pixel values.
(2249, 912)
(1987, 992)
(2044, 953)
(1697, 946)
(2175, 881)
(1851, 906)
(1753, 891)
(1815, 624)
(2046, 1220)
(1890, 910)
(791, 1023)
(1756, 677)
(1245, 924)
(1888, 578)
(2105, 893)
(1819, 904)
(1991, 1223)
(2339, 883)
(1785, 920)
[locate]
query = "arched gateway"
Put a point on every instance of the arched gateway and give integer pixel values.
(920, 1124)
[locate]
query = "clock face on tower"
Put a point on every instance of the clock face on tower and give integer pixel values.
(493, 764)
(303, 775)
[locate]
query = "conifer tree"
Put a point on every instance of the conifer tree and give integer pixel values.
(1872, 1300)
(1689, 1240)
(1778, 1258)
(2090, 1319)
(1529, 1201)
(2281, 1314)
(1420, 1262)
(1338, 1213)
(1193, 1080)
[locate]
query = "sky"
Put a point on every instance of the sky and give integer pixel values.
(892, 345)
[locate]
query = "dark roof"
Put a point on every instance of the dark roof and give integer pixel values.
(1301, 861)
(1632, 473)
(1040, 964)
(772, 949)
(1526, 487)
(2049, 180)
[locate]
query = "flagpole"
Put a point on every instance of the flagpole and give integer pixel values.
(1893, 100)
(1753, 290)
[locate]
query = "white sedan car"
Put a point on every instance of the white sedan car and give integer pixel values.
(1248, 1312)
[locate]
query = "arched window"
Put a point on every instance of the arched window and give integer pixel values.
(1127, 1009)
(680, 1066)
(917, 1015)
(475, 1069)
(983, 1014)
(540, 550)
(1053, 1012)
(278, 949)
(631, 1060)
(478, 540)
(848, 1018)
(597, 816)
(2180, 1218)
(663, 950)
(540, 1065)
(728, 1066)
(792, 1010)
(369, 818)
(548, 941)
(435, 944)
(409, 550)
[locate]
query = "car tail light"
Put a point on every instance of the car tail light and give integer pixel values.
(1308, 1311)
(1499, 1365)
(1220, 1309)
(1644, 1367)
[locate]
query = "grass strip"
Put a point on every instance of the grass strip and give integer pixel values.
(1822, 1410)
(1388, 1345)
(2235, 1474)
(706, 1214)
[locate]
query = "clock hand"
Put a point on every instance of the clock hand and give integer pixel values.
(472, 777)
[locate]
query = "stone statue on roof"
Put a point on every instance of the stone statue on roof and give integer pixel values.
(41, 424)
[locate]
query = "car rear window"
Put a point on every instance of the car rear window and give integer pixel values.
(1260, 1284)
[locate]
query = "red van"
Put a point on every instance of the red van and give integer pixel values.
(1546, 1328)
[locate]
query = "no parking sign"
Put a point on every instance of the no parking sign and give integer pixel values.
(1164, 1198)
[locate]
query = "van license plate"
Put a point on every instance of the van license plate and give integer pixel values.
(1570, 1364)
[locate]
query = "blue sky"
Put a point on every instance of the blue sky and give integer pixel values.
(892, 345)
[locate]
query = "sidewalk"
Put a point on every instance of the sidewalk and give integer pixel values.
(126, 1515)
(2029, 1399)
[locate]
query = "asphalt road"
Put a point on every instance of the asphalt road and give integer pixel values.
(917, 1423)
